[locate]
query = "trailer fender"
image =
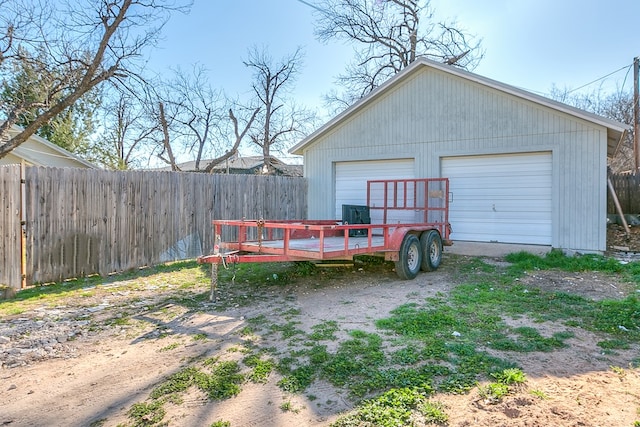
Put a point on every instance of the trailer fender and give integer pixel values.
(395, 241)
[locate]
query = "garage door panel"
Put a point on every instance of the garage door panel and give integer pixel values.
(504, 198)
(351, 185)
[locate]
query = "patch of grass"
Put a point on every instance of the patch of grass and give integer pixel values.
(185, 275)
(298, 379)
(619, 318)
(433, 412)
(494, 392)
(324, 331)
(393, 408)
(556, 259)
(261, 369)
(410, 321)
(178, 382)
(359, 356)
(614, 344)
(146, 414)
(529, 339)
(408, 355)
(221, 424)
(223, 382)
(288, 330)
(170, 347)
(199, 337)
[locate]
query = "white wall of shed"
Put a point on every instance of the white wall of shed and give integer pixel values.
(431, 115)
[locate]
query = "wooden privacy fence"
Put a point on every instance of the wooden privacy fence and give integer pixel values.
(78, 222)
(627, 188)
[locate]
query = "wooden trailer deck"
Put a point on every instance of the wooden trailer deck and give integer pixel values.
(330, 244)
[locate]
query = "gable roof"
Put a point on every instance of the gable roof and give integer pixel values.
(615, 130)
(37, 151)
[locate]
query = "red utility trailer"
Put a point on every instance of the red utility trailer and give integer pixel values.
(404, 220)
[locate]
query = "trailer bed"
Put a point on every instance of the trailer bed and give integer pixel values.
(409, 223)
(398, 207)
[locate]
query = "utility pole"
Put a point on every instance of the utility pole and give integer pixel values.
(636, 113)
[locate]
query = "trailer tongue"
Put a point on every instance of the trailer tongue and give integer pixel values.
(404, 220)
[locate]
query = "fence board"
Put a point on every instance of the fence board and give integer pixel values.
(10, 231)
(81, 222)
(627, 188)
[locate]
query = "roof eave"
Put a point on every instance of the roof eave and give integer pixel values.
(614, 128)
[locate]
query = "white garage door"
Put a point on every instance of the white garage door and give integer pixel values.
(351, 183)
(501, 198)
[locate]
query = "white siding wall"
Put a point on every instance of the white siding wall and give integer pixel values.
(432, 114)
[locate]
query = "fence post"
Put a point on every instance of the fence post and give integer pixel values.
(23, 226)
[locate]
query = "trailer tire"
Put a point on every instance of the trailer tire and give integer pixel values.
(431, 244)
(410, 258)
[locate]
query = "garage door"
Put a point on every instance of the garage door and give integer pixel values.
(351, 183)
(503, 198)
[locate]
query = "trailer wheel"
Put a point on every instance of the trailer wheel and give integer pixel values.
(431, 244)
(410, 254)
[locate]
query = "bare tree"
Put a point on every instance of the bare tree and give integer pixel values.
(198, 110)
(388, 35)
(126, 127)
(239, 136)
(71, 49)
(198, 122)
(279, 118)
(616, 105)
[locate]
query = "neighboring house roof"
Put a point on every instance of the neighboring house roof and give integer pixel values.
(248, 164)
(37, 151)
(615, 130)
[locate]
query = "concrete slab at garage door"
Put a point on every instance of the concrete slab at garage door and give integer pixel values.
(351, 183)
(500, 198)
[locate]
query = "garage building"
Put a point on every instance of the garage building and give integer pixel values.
(522, 168)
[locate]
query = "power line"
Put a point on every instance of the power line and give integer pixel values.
(312, 6)
(600, 78)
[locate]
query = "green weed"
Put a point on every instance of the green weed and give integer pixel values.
(512, 376)
(261, 369)
(539, 394)
(169, 347)
(324, 331)
(146, 414)
(287, 406)
(199, 337)
(393, 408)
(223, 382)
(493, 392)
(178, 382)
(433, 412)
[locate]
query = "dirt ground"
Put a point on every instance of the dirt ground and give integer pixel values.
(619, 240)
(58, 369)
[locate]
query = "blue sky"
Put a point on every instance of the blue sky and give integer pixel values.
(531, 44)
